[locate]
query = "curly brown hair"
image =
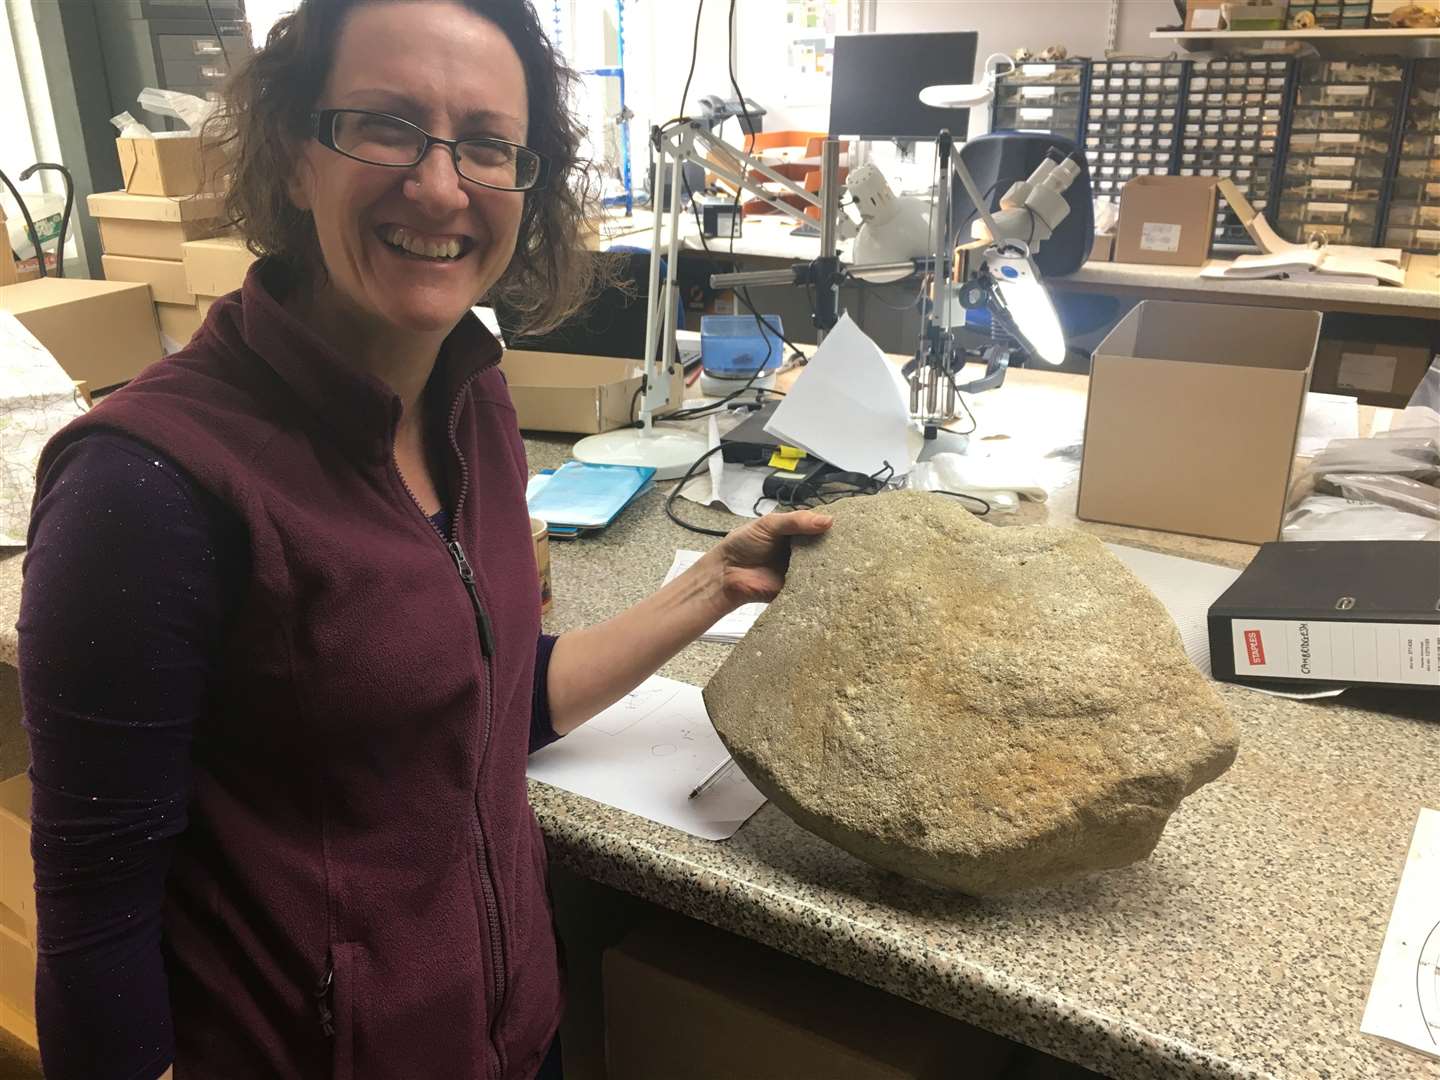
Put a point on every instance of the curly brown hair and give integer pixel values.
(264, 117)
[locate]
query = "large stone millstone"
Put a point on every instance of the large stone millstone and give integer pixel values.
(987, 709)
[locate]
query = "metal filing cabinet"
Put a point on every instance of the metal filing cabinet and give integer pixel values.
(1412, 218)
(1345, 118)
(1132, 120)
(1234, 121)
(170, 44)
(1047, 97)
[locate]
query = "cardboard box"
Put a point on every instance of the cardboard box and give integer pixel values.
(17, 869)
(17, 984)
(102, 332)
(153, 226)
(179, 322)
(682, 1000)
(165, 277)
(1373, 372)
(8, 275)
(1203, 14)
(216, 267)
(581, 394)
(1193, 414)
(1166, 220)
(1102, 247)
(170, 163)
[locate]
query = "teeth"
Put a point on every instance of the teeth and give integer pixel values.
(402, 237)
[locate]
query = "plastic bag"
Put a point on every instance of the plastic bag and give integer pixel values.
(1327, 517)
(187, 108)
(1399, 492)
(1422, 416)
(129, 127)
(1415, 456)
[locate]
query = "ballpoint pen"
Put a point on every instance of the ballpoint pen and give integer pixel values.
(715, 774)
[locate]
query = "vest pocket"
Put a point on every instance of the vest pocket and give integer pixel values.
(343, 993)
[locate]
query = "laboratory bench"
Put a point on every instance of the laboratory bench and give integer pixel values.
(1243, 947)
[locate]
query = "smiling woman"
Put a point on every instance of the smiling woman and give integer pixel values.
(268, 115)
(280, 814)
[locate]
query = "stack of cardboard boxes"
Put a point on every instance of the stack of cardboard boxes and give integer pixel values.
(142, 238)
(17, 912)
(146, 231)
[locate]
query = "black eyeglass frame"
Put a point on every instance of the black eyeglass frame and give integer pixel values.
(322, 127)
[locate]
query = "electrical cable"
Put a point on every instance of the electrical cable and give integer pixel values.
(219, 37)
(675, 494)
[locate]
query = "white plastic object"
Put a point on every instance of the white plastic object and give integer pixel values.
(190, 110)
(129, 127)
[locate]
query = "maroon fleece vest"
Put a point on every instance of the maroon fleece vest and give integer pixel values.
(361, 887)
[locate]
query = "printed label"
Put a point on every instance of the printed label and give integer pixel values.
(1327, 207)
(1339, 136)
(1159, 236)
(1430, 235)
(1036, 114)
(1404, 653)
(1367, 371)
(1335, 162)
(1332, 185)
(1347, 91)
(1038, 71)
(1254, 648)
(1037, 91)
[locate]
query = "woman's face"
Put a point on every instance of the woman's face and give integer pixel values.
(455, 74)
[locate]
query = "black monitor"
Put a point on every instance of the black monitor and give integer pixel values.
(877, 79)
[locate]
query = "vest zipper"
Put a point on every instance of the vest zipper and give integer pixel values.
(482, 619)
(486, 633)
(322, 998)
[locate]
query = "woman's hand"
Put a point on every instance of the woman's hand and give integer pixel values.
(750, 563)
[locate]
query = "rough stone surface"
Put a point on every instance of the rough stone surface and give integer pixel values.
(985, 709)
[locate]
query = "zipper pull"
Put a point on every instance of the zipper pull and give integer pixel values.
(322, 999)
(482, 619)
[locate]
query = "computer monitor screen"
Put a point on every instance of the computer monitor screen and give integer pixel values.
(877, 80)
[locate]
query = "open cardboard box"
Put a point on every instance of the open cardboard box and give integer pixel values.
(1194, 411)
(585, 395)
(168, 163)
(1166, 220)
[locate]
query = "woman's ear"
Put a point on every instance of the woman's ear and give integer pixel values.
(302, 180)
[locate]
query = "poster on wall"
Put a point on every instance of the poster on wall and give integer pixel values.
(810, 29)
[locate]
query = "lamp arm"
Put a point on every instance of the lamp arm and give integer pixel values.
(968, 183)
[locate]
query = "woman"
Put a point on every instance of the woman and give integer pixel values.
(280, 649)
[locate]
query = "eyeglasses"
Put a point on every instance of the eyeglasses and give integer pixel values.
(380, 139)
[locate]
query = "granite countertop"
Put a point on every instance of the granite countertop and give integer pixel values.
(1243, 947)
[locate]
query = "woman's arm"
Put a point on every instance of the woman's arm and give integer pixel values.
(120, 616)
(593, 668)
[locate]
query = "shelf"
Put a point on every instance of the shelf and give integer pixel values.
(1408, 43)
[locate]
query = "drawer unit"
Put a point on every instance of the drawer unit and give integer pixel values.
(1412, 218)
(1132, 120)
(1343, 123)
(1234, 125)
(1046, 97)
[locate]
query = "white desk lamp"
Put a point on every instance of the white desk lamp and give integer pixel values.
(672, 450)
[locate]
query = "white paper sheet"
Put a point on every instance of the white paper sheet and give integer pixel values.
(732, 627)
(850, 407)
(1326, 417)
(1404, 1003)
(1186, 588)
(37, 399)
(645, 755)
